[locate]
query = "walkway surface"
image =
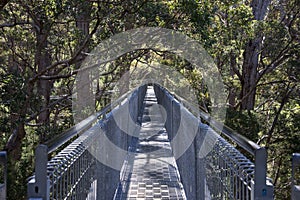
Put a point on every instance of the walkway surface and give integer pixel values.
(150, 172)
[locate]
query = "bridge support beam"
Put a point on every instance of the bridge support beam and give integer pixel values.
(262, 189)
(38, 186)
(200, 162)
(201, 178)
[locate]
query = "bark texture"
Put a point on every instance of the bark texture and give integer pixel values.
(251, 58)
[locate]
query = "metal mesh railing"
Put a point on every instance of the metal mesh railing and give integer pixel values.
(224, 173)
(74, 173)
(228, 172)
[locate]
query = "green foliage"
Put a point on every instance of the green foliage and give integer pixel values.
(20, 170)
(12, 91)
(245, 123)
(285, 142)
(222, 27)
(200, 15)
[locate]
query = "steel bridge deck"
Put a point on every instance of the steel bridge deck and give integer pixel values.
(150, 172)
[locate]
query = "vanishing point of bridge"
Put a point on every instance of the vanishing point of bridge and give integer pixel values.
(164, 152)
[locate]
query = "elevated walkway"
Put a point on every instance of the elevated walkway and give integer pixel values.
(163, 150)
(150, 172)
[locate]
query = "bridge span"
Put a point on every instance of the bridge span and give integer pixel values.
(149, 144)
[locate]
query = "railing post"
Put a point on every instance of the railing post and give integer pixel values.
(171, 125)
(201, 162)
(38, 186)
(295, 188)
(260, 188)
(3, 185)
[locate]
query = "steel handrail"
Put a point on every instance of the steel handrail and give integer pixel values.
(82, 126)
(262, 186)
(241, 140)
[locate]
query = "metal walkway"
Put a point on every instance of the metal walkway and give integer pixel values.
(141, 133)
(150, 172)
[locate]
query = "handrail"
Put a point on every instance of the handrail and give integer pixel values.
(262, 186)
(241, 140)
(74, 160)
(82, 126)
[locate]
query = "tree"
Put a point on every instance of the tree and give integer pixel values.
(255, 46)
(249, 74)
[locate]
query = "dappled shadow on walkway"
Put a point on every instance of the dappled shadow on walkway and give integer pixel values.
(151, 171)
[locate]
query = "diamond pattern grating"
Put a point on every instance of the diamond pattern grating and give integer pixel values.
(151, 171)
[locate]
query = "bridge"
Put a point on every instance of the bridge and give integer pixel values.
(150, 144)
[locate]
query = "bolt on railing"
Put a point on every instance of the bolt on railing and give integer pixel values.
(3, 175)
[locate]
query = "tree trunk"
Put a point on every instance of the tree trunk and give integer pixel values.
(85, 100)
(232, 92)
(13, 146)
(14, 143)
(251, 58)
(249, 74)
(43, 59)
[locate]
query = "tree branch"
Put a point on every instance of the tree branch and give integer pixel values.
(8, 25)
(237, 72)
(70, 61)
(3, 3)
(283, 102)
(282, 56)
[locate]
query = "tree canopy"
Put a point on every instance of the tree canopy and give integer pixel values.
(255, 45)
